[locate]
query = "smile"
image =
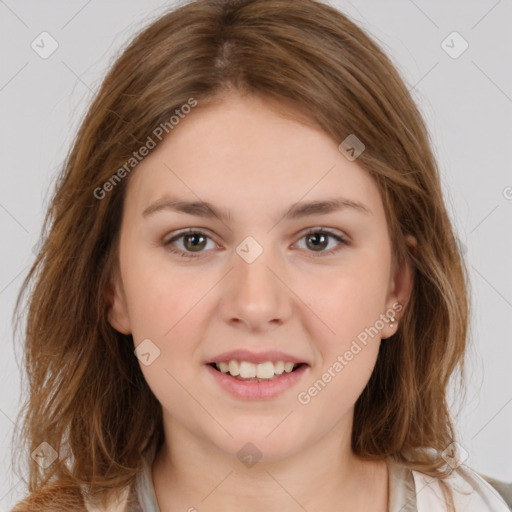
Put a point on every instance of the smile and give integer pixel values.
(250, 381)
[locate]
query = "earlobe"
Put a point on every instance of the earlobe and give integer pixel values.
(401, 287)
(117, 308)
(405, 280)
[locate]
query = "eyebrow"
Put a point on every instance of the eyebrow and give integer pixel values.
(295, 211)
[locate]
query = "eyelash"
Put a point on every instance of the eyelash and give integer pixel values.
(343, 241)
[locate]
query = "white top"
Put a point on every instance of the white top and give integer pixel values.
(409, 491)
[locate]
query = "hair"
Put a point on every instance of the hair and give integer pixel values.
(87, 396)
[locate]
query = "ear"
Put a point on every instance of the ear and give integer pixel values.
(400, 288)
(117, 307)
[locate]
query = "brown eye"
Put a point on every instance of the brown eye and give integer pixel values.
(189, 244)
(318, 240)
(195, 242)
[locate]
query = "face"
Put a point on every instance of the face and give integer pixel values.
(314, 286)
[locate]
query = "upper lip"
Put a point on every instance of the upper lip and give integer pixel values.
(255, 357)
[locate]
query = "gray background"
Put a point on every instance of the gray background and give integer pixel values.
(466, 101)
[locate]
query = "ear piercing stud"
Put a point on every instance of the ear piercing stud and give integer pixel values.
(393, 319)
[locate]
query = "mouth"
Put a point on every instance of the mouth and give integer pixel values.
(262, 381)
(240, 372)
(249, 372)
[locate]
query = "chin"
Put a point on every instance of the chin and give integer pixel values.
(252, 444)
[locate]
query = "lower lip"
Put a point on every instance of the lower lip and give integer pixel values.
(257, 390)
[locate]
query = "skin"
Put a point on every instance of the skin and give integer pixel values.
(248, 157)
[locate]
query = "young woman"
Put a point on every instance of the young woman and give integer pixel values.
(249, 295)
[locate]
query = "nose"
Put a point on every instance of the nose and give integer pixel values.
(255, 296)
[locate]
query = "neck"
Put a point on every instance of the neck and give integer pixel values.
(193, 474)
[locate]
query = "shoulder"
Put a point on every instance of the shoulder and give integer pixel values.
(503, 488)
(125, 502)
(469, 489)
(139, 494)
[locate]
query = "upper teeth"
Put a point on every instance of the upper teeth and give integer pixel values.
(247, 370)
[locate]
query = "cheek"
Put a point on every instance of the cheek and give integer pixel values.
(164, 306)
(159, 296)
(346, 334)
(346, 301)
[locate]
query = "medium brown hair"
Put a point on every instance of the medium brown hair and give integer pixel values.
(87, 396)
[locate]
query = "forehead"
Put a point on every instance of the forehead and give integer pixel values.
(249, 152)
